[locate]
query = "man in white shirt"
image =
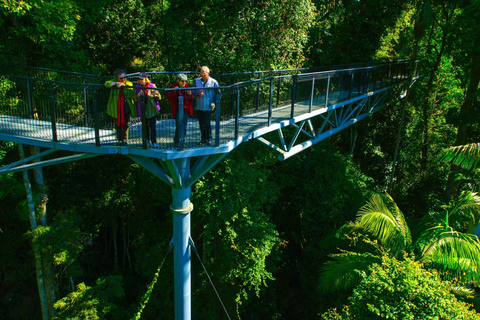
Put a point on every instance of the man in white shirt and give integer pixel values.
(205, 103)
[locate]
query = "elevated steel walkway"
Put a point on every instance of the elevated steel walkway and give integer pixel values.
(59, 110)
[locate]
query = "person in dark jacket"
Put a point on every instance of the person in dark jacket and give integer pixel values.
(152, 107)
(181, 116)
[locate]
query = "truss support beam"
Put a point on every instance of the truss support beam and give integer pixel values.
(302, 146)
(31, 158)
(151, 166)
(204, 167)
(46, 163)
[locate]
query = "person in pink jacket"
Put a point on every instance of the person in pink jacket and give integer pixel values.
(181, 116)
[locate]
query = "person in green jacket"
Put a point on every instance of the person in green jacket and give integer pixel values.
(121, 105)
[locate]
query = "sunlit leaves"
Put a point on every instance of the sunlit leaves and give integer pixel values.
(403, 290)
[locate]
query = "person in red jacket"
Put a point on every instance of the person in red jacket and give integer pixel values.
(181, 116)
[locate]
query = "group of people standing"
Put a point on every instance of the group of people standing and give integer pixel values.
(124, 104)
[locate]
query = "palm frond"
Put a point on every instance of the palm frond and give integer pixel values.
(457, 253)
(466, 156)
(467, 206)
(462, 291)
(385, 222)
(342, 272)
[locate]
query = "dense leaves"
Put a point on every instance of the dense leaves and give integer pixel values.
(395, 289)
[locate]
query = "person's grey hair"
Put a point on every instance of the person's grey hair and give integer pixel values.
(182, 76)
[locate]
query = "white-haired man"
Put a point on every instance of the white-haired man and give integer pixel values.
(205, 103)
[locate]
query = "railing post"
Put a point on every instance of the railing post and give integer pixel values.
(52, 113)
(310, 107)
(232, 100)
(328, 90)
(96, 123)
(179, 123)
(217, 119)
(238, 113)
(85, 100)
(257, 98)
(31, 109)
(294, 95)
(352, 78)
(270, 105)
(381, 76)
(143, 107)
(278, 91)
(390, 73)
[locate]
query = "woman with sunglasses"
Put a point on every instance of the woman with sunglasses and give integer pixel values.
(121, 105)
(151, 97)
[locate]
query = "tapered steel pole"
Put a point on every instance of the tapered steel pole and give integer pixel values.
(181, 208)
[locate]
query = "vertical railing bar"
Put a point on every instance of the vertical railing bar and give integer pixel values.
(238, 113)
(269, 121)
(96, 123)
(143, 108)
(328, 89)
(294, 94)
(257, 99)
(278, 91)
(30, 99)
(217, 119)
(179, 122)
(360, 82)
(232, 100)
(352, 78)
(381, 76)
(85, 100)
(310, 108)
(52, 113)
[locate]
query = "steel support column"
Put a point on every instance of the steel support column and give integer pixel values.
(181, 208)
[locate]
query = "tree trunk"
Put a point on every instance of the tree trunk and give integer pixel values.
(466, 114)
(33, 226)
(48, 270)
(426, 106)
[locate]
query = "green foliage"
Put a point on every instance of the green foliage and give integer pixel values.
(62, 242)
(237, 235)
(396, 289)
(234, 36)
(34, 26)
(118, 33)
(361, 24)
(102, 301)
